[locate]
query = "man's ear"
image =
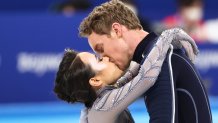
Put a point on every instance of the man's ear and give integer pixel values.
(117, 29)
(95, 82)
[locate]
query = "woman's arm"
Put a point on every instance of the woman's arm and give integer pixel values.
(131, 72)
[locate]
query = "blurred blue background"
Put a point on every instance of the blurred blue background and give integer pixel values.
(33, 36)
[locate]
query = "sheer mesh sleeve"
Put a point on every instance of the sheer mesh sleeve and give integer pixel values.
(131, 72)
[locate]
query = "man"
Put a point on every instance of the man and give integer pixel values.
(178, 94)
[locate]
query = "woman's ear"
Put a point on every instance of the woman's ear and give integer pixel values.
(96, 83)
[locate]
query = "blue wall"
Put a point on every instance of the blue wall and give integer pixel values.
(31, 47)
(151, 9)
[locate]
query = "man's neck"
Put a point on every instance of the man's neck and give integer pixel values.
(137, 37)
(143, 47)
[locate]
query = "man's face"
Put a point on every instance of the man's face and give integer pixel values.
(113, 47)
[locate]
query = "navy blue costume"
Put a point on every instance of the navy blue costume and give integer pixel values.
(178, 96)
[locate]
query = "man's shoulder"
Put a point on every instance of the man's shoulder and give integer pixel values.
(179, 57)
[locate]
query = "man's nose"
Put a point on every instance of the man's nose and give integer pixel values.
(106, 59)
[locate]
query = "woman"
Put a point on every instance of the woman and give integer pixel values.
(83, 77)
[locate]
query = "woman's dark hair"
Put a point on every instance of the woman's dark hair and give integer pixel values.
(72, 83)
(72, 80)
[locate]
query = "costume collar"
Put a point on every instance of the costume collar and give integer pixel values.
(143, 45)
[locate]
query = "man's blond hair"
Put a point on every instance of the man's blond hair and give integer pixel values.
(102, 17)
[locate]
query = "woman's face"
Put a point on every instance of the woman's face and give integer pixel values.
(105, 70)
